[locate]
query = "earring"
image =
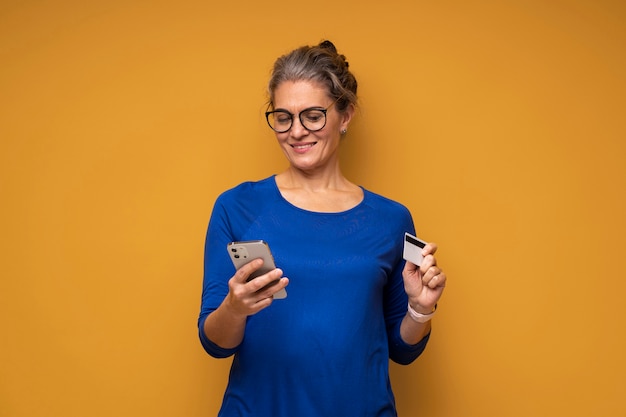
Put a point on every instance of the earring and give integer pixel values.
(344, 131)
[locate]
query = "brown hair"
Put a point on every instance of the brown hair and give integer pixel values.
(320, 63)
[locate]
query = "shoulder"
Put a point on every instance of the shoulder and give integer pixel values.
(243, 204)
(392, 215)
(248, 190)
(385, 204)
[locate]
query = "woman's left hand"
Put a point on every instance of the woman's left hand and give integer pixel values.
(424, 285)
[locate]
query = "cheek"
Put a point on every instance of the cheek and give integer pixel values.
(281, 137)
(282, 140)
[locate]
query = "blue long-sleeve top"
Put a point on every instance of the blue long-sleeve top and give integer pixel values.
(325, 349)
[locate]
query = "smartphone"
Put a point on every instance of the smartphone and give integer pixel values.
(243, 252)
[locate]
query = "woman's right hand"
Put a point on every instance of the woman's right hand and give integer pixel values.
(227, 324)
(246, 298)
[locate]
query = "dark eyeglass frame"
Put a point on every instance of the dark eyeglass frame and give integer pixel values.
(291, 116)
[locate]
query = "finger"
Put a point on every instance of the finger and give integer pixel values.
(243, 273)
(272, 288)
(263, 303)
(428, 262)
(265, 280)
(438, 281)
(428, 275)
(429, 249)
(265, 296)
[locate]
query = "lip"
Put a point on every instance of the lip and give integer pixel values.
(302, 147)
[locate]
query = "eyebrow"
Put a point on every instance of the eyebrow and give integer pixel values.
(306, 108)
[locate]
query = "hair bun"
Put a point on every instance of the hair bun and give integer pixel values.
(328, 45)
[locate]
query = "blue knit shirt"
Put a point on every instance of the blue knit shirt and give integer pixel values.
(325, 349)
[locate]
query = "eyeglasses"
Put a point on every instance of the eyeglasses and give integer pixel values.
(312, 118)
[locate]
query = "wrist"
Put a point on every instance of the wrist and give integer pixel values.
(229, 308)
(419, 315)
(418, 308)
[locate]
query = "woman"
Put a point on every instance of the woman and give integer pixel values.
(324, 350)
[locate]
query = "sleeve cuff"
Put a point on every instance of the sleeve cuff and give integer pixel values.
(403, 353)
(212, 348)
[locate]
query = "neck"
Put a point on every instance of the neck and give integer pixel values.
(319, 193)
(329, 179)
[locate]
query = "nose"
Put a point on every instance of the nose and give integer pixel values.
(297, 130)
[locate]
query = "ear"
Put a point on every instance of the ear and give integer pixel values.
(346, 117)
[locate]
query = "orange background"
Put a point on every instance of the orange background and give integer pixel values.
(499, 124)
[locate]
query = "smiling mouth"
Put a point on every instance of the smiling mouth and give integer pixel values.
(301, 147)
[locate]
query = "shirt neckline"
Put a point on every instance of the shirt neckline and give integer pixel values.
(327, 213)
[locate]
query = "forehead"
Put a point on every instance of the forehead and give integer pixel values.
(300, 94)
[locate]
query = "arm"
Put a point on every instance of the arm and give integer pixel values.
(408, 338)
(424, 287)
(412, 332)
(226, 325)
(228, 299)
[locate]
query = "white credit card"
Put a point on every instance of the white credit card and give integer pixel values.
(413, 249)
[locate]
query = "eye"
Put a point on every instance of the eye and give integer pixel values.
(282, 118)
(313, 116)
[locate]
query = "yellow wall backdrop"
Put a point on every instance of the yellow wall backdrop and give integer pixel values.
(499, 124)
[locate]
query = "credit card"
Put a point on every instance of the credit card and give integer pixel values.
(413, 249)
